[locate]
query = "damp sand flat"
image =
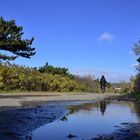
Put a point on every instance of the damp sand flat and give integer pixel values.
(19, 100)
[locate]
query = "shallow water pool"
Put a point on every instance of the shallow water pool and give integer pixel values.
(88, 120)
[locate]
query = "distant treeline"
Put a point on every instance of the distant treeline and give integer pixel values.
(45, 78)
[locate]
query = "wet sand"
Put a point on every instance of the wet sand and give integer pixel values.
(19, 100)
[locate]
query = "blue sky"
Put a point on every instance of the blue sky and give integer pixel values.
(87, 36)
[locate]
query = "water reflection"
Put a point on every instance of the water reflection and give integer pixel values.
(89, 119)
(87, 107)
(103, 106)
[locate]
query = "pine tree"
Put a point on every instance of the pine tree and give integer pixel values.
(11, 40)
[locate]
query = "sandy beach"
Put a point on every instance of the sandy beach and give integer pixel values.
(19, 100)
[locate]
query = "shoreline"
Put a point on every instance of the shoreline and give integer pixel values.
(22, 100)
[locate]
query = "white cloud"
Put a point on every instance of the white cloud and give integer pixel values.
(111, 76)
(106, 37)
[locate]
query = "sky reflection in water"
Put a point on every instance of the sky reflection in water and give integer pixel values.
(88, 120)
